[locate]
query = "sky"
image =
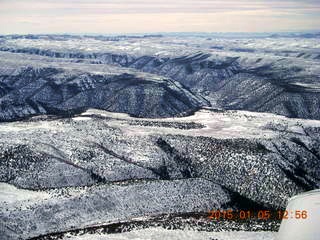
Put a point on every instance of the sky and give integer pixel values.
(150, 16)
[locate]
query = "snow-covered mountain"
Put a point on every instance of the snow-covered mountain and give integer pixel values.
(109, 134)
(277, 75)
(40, 86)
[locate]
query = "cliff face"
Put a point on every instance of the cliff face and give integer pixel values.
(265, 79)
(29, 89)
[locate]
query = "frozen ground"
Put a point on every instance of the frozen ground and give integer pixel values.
(160, 234)
(134, 136)
(11, 194)
(103, 168)
(267, 73)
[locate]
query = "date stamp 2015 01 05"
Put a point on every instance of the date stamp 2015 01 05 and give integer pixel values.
(257, 214)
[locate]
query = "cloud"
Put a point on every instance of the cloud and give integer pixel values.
(154, 6)
(103, 16)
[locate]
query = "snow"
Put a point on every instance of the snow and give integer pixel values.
(81, 118)
(163, 234)
(297, 57)
(306, 85)
(11, 194)
(173, 46)
(222, 125)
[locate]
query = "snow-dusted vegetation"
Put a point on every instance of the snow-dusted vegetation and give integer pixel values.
(121, 133)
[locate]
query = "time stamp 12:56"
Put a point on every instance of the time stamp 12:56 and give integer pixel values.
(258, 214)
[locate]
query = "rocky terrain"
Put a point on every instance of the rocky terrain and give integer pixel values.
(98, 168)
(271, 74)
(136, 134)
(40, 86)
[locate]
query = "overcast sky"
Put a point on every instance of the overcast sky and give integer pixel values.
(137, 16)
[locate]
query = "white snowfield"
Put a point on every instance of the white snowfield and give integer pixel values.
(163, 234)
(222, 125)
(11, 194)
(288, 47)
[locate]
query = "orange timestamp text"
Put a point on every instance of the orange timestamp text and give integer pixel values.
(257, 214)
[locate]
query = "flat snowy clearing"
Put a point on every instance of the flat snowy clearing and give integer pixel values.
(162, 234)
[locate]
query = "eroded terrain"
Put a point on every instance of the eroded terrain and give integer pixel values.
(136, 134)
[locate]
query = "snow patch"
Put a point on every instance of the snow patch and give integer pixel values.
(161, 234)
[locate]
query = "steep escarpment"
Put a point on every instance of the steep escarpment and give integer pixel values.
(279, 86)
(261, 80)
(36, 90)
